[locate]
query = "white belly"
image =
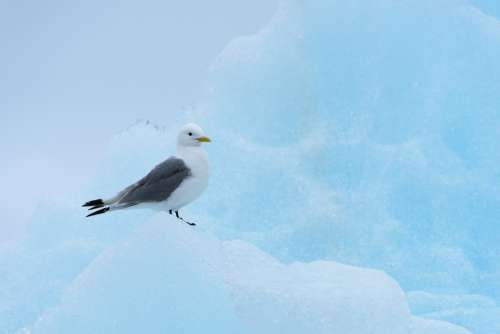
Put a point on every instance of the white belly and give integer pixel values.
(188, 191)
(192, 187)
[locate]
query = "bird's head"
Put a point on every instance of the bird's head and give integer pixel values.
(192, 135)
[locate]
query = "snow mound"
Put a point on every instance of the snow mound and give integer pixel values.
(478, 313)
(165, 277)
(170, 277)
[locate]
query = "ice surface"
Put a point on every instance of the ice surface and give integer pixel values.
(317, 297)
(478, 313)
(169, 277)
(128, 272)
(374, 126)
(427, 326)
(164, 278)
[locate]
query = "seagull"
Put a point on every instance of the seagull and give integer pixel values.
(169, 186)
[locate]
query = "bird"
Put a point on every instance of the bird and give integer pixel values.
(169, 186)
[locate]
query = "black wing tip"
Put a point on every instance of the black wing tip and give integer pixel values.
(96, 202)
(98, 212)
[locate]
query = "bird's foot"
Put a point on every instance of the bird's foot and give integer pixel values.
(185, 221)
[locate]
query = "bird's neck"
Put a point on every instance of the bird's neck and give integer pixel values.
(192, 154)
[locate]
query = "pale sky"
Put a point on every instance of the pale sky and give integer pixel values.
(72, 74)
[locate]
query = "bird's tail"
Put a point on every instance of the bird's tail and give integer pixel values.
(95, 204)
(98, 212)
(99, 203)
(102, 206)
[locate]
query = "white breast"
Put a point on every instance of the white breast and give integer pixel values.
(191, 188)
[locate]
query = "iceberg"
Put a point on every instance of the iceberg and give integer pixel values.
(374, 125)
(140, 271)
(354, 190)
(476, 312)
(166, 277)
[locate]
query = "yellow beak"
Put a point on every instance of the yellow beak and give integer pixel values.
(203, 139)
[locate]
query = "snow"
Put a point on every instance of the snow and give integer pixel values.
(164, 277)
(140, 271)
(478, 313)
(169, 277)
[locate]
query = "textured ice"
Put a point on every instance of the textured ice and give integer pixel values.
(380, 137)
(129, 272)
(164, 278)
(478, 313)
(169, 277)
(375, 126)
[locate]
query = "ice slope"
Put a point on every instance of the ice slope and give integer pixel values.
(367, 132)
(127, 272)
(167, 277)
(163, 278)
(136, 271)
(478, 313)
(375, 126)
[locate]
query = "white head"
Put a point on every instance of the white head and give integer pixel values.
(191, 135)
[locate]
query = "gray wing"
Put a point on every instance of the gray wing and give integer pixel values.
(159, 184)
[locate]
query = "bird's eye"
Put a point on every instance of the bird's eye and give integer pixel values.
(190, 133)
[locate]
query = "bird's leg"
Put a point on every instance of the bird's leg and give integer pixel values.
(179, 217)
(170, 211)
